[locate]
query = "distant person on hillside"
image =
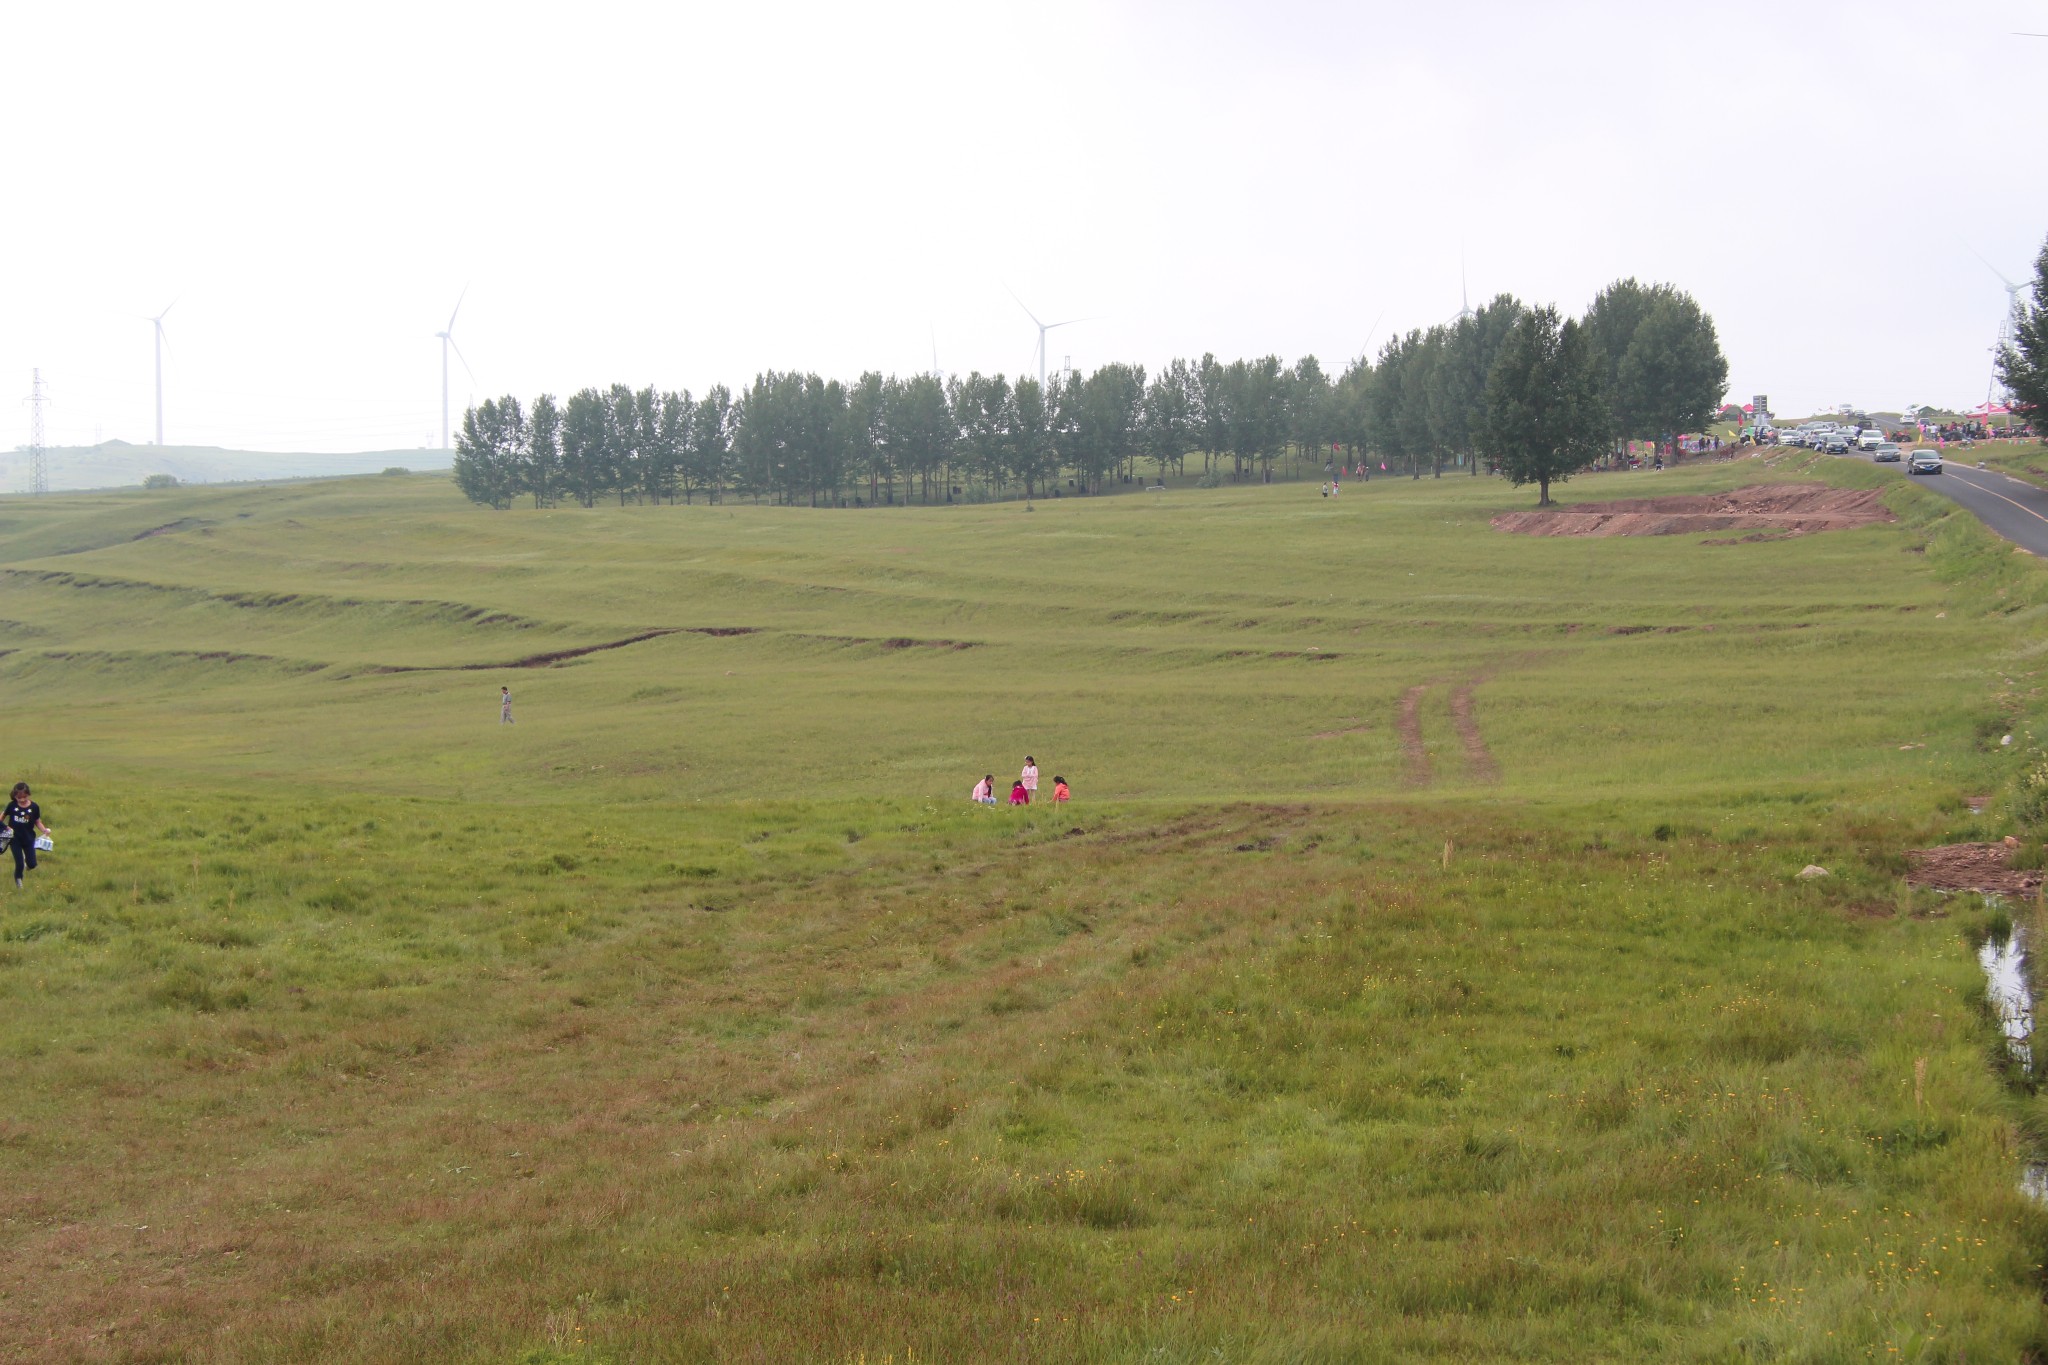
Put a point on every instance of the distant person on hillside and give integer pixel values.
(504, 706)
(985, 790)
(1018, 796)
(1028, 779)
(24, 822)
(1059, 791)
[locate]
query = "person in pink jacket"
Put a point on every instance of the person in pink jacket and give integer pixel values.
(985, 790)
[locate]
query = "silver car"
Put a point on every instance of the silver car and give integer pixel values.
(1884, 452)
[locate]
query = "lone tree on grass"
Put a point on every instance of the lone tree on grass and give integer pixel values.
(1545, 416)
(2023, 365)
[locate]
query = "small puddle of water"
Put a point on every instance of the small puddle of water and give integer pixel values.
(2005, 981)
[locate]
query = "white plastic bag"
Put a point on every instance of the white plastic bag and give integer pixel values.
(44, 843)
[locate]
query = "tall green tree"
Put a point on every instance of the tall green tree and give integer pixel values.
(1352, 408)
(2023, 365)
(1611, 322)
(1109, 422)
(540, 468)
(1173, 416)
(489, 450)
(1400, 406)
(1212, 389)
(1033, 456)
(586, 442)
(678, 413)
(760, 434)
(1457, 381)
(1546, 415)
(867, 431)
(1309, 417)
(981, 405)
(1673, 375)
(1389, 434)
(710, 455)
(921, 431)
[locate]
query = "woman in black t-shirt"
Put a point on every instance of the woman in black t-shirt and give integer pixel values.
(24, 822)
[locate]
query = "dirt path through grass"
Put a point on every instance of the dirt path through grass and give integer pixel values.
(1479, 759)
(1413, 750)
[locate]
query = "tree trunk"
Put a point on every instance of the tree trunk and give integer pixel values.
(1543, 487)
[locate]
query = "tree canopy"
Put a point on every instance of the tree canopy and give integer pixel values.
(1659, 358)
(1546, 414)
(1425, 400)
(2023, 364)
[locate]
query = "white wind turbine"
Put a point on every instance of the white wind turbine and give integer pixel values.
(447, 337)
(2012, 303)
(1464, 300)
(1043, 328)
(157, 326)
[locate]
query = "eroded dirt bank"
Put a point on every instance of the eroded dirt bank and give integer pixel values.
(1788, 508)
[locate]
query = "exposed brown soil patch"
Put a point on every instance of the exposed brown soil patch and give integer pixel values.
(1478, 758)
(1794, 508)
(1970, 867)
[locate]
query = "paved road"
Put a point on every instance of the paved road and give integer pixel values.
(2018, 511)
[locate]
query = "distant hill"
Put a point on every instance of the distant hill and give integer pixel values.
(117, 464)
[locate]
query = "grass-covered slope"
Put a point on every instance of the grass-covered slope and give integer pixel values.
(1451, 998)
(1259, 642)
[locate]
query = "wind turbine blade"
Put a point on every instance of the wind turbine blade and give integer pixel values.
(167, 310)
(1020, 303)
(1990, 267)
(463, 358)
(1068, 323)
(458, 308)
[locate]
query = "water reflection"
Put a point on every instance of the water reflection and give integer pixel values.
(2005, 981)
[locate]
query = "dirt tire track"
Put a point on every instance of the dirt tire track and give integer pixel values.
(1412, 747)
(1478, 758)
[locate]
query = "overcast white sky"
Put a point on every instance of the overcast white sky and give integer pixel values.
(687, 194)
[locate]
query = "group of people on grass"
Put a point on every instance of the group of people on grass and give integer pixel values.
(1023, 791)
(20, 829)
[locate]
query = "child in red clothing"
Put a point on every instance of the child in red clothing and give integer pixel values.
(1018, 796)
(1059, 790)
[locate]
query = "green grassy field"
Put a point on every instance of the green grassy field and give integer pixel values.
(2022, 459)
(1419, 974)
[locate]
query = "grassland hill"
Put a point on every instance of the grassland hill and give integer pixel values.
(1421, 972)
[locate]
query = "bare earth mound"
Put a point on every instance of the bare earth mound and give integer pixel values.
(1793, 508)
(1970, 867)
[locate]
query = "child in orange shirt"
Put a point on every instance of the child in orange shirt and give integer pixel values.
(1059, 790)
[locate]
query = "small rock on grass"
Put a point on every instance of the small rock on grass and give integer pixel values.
(1812, 870)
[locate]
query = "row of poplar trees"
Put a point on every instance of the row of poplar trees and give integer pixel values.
(1524, 390)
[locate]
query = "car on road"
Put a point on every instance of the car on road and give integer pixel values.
(1885, 452)
(1924, 462)
(1834, 443)
(1869, 438)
